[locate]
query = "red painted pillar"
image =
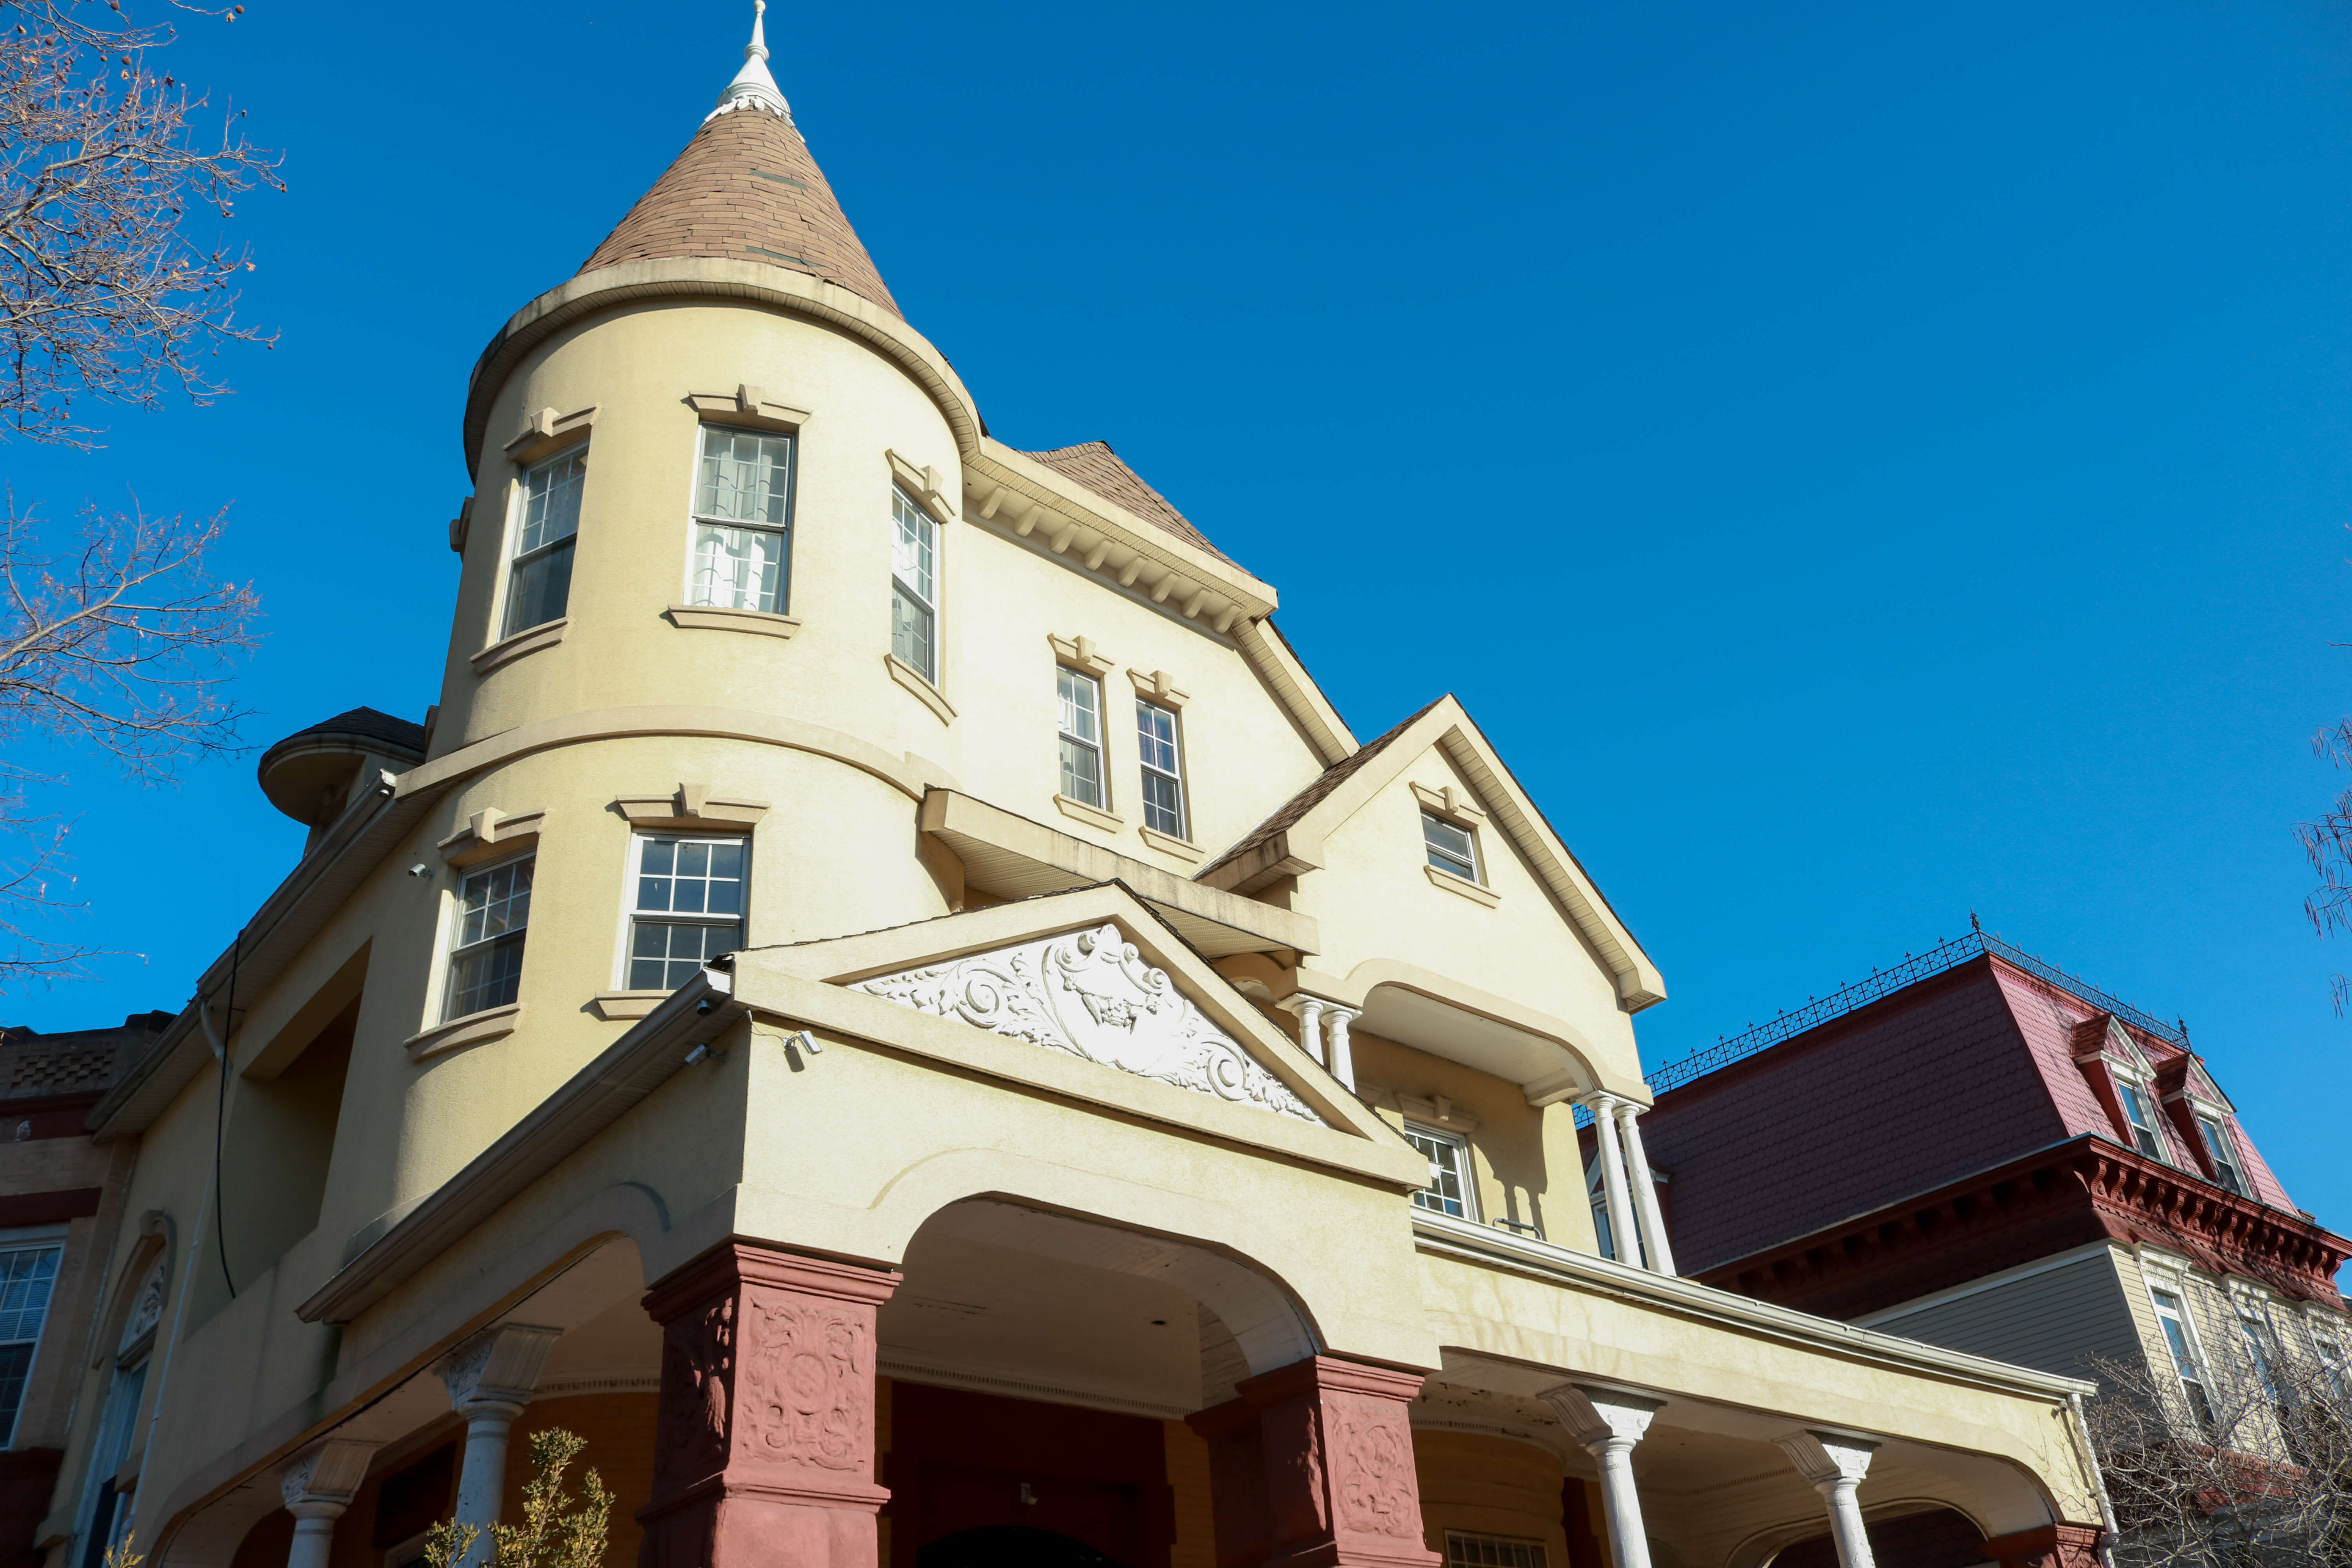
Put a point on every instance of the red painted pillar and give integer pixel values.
(1311, 1466)
(764, 1446)
(2052, 1546)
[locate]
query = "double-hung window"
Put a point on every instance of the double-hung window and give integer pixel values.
(1464, 1550)
(538, 584)
(27, 1277)
(914, 587)
(1451, 847)
(485, 948)
(685, 908)
(2223, 1154)
(742, 519)
(2142, 1120)
(2333, 1370)
(2172, 1319)
(1164, 771)
(1081, 734)
(1450, 1189)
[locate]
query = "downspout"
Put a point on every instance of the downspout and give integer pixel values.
(187, 1278)
(2098, 1479)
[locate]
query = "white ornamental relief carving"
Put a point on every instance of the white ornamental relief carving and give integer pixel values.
(1090, 994)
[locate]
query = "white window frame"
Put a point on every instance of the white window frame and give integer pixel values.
(2197, 1378)
(1445, 858)
(516, 557)
(698, 519)
(2327, 1347)
(1065, 738)
(631, 914)
(1596, 1193)
(454, 947)
(923, 538)
(2132, 1089)
(2221, 1148)
(1145, 740)
(49, 1239)
(1465, 1173)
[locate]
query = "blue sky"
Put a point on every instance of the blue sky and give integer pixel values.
(1860, 463)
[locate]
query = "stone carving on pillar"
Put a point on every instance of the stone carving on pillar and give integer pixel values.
(1835, 1466)
(1090, 994)
(1313, 1464)
(763, 1449)
(2051, 1546)
(1607, 1423)
(318, 1485)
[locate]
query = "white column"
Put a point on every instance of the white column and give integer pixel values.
(1341, 1055)
(318, 1485)
(1646, 1190)
(1835, 1465)
(1613, 1179)
(490, 1378)
(1308, 1010)
(1606, 1425)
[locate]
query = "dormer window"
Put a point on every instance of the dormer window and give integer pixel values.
(2138, 1112)
(1452, 849)
(2224, 1154)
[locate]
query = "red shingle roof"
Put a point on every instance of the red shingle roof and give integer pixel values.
(747, 189)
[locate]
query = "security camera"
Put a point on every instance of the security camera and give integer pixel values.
(419, 869)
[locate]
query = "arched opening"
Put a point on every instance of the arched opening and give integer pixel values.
(1938, 1538)
(1011, 1546)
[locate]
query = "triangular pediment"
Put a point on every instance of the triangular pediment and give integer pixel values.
(1092, 994)
(1095, 977)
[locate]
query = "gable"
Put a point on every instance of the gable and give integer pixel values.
(1090, 993)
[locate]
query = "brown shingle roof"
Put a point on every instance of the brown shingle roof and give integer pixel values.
(745, 189)
(1305, 800)
(1094, 465)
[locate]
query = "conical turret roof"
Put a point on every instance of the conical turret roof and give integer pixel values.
(747, 189)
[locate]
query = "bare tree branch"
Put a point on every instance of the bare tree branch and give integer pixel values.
(102, 294)
(120, 642)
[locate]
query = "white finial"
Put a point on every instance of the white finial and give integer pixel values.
(753, 87)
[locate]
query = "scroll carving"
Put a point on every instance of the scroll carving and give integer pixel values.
(807, 1384)
(1378, 1494)
(1090, 994)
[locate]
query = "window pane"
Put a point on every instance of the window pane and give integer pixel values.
(912, 543)
(1163, 805)
(664, 954)
(1447, 1192)
(1163, 791)
(541, 589)
(910, 632)
(1081, 698)
(738, 568)
(1155, 729)
(486, 976)
(550, 501)
(745, 478)
(2225, 1167)
(704, 876)
(27, 1277)
(494, 903)
(1449, 848)
(2143, 1127)
(1081, 772)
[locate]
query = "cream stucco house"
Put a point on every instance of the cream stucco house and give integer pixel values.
(886, 998)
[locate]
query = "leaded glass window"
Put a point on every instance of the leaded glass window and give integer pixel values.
(914, 587)
(486, 949)
(539, 586)
(686, 907)
(742, 519)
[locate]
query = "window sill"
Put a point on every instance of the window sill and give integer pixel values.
(615, 1006)
(1168, 843)
(906, 675)
(722, 618)
(1092, 816)
(547, 634)
(473, 1029)
(1469, 889)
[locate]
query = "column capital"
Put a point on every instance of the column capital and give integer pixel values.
(321, 1481)
(1828, 1458)
(1594, 1415)
(498, 1368)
